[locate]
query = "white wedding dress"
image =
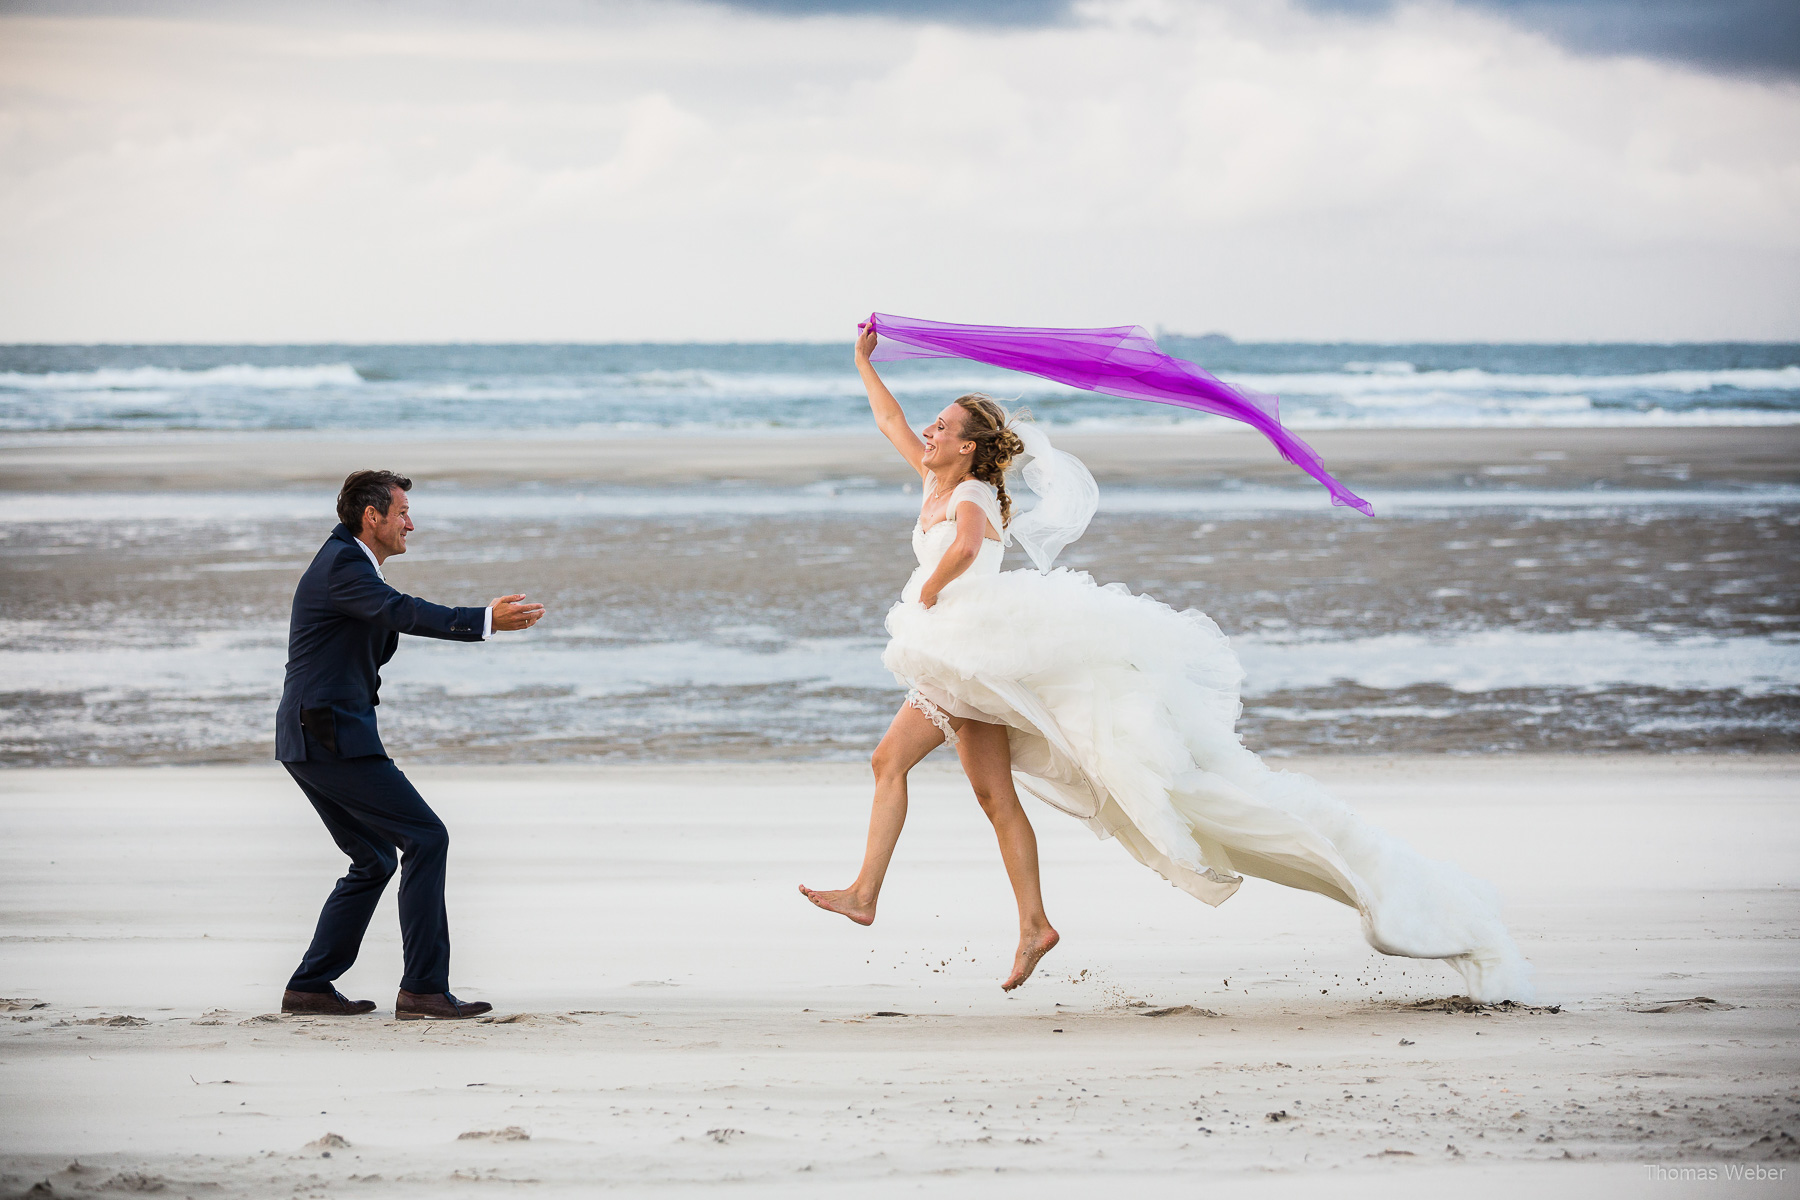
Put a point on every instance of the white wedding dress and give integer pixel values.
(1121, 712)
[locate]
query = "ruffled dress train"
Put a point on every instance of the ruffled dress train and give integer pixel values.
(1122, 713)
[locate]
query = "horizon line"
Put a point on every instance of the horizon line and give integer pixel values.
(1217, 338)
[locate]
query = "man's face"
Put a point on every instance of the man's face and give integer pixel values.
(387, 535)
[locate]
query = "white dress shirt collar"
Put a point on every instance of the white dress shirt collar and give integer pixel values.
(373, 561)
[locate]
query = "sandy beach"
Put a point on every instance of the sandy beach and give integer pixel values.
(670, 1015)
(1637, 457)
(1437, 363)
(630, 817)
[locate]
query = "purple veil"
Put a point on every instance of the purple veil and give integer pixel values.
(1122, 361)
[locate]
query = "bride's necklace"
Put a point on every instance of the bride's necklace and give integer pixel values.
(937, 489)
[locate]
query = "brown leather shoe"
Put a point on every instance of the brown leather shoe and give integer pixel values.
(436, 1006)
(328, 1004)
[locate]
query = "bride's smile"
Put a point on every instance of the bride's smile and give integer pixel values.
(945, 450)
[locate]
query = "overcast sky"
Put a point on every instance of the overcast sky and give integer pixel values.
(773, 169)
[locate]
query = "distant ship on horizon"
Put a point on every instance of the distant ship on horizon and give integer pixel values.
(1201, 339)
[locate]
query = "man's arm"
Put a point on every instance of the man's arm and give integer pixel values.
(356, 591)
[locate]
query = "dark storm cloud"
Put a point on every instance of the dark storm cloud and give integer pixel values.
(1756, 37)
(964, 12)
(1743, 37)
(1759, 37)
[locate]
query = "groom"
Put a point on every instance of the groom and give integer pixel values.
(346, 624)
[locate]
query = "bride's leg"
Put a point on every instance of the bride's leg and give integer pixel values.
(987, 761)
(910, 738)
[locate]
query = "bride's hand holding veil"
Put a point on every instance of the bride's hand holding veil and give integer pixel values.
(890, 418)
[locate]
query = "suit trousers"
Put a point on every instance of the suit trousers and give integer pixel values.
(382, 824)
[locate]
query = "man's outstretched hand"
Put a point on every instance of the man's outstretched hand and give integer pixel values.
(510, 612)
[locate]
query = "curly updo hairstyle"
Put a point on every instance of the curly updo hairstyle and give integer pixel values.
(986, 424)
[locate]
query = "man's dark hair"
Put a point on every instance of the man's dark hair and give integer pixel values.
(364, 488)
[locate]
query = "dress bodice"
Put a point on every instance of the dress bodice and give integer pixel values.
(929, 544)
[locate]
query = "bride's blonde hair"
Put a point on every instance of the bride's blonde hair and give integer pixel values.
(989, 426)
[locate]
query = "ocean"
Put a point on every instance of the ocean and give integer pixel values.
(1552, 602)
(487, 391)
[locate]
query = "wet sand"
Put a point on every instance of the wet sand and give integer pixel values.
(670, 1015)
(148, 620)
(753, 637)
(1363, 458)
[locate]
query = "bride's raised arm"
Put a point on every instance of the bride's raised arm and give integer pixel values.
(889, 417)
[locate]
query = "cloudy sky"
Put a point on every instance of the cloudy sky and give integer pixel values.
(605, 170)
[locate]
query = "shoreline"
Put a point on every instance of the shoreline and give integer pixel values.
(1550, 457)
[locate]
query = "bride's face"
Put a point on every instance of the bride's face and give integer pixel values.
(944, 445)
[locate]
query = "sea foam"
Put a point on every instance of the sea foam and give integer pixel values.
(131, 379)
(248, 662)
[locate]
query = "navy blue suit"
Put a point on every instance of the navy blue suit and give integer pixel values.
(346, 624)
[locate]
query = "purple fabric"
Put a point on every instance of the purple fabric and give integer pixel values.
(1123, 361)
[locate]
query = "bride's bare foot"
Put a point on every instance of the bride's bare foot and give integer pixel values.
(848, 903)
(1032, 948)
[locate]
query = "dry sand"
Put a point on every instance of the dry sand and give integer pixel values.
(673, 1016)
(1364, 458)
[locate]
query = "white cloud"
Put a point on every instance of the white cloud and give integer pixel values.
(674, 172)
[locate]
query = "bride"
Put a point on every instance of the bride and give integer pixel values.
(1116, 709)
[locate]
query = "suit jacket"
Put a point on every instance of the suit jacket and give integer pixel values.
(346, 624)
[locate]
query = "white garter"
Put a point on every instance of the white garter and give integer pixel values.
(935, 714)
